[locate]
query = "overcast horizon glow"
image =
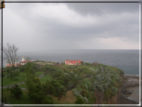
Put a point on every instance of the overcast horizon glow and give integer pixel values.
(61, 26)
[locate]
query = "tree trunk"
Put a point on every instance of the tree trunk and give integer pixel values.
(99, 97)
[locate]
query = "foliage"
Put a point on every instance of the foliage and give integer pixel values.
(79, 101)
(16, 91)
(37, 80)
(85, 78)
(33, 85)
(13, 75)
(13, 67)
(22, 68)
(48, 88)
(48, 100)
(8, 69)
(107, 82)
(35, 67)
(76, 92)
(29, 76)
(35, 92)
(87, 64)
(37, 97)
(63, 63)
(24, 99)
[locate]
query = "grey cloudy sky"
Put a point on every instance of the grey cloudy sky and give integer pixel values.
(46, 26)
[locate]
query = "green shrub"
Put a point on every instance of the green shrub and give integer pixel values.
(13, 68)
(13, 75)
(79, 101)
(16, 91)
(48, 100)
(8, 69)
(37, 97)
(52, 89)
(22, 68)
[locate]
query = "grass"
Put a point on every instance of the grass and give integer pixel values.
(4, 73)
(38, 73)
(23, 100)
(46, 77)
(7, 82)
(43, 79)
(22, 85)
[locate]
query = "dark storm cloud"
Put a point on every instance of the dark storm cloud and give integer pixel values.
(85, 8)
(61, 26)
(103, 8)
(125, 28)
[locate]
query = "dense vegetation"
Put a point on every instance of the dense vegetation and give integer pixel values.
(88, 82)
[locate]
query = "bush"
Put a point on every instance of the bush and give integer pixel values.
(13, 75)
(37, 80)
(62, 63)
(36, 97)
(22, 68)
(52, 89)
(36, 94)
(8, 69)
(13, 68)
(48, 89)
(16, 91)
(48, 100)
(79, 101)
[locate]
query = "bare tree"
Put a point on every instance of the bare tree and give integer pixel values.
(10, 52)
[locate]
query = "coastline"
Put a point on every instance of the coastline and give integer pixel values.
(131, 84)
(131, 77)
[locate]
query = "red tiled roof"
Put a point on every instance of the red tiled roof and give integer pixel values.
(74, 60)
(25, 61)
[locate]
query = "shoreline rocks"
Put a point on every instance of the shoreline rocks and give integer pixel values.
(127, 92)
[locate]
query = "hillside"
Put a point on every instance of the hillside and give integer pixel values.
(64, 84)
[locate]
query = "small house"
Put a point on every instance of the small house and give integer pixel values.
(73, 62)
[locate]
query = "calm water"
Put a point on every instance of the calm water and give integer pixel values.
(127, 60)
(135, 94)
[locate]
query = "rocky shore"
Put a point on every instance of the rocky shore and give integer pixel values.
(131, 81)
(130, 96)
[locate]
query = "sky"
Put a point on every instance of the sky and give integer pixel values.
(35, 27)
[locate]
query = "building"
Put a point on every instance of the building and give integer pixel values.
(73, 62)
(9, 65)
(23, 62)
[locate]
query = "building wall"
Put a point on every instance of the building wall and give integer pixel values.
(72, 62)
(9, 65)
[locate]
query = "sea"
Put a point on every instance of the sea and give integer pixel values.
(126, 60)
